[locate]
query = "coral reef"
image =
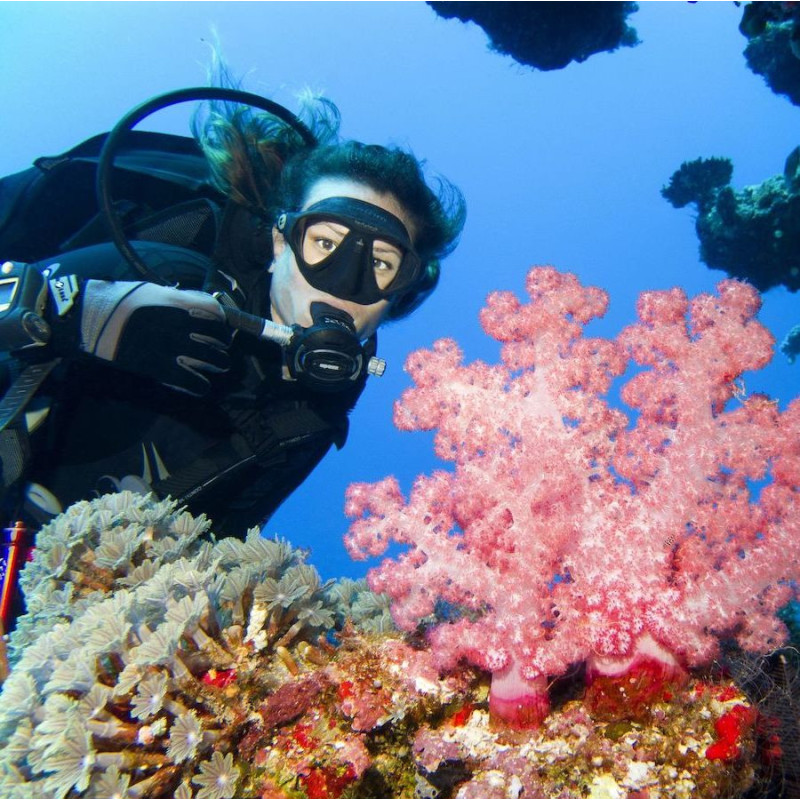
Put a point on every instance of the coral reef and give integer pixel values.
(697, 744)
(392, 729)
(698, 182)
(170, 666)
(569, 533)
(548, 35)
(147, 649)
(790, 346)
(773, 47)
(752, 233)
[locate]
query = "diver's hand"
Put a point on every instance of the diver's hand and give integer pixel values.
(177, 337)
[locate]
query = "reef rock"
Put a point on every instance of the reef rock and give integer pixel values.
(752, 233)
(773, 48)
(550, 35)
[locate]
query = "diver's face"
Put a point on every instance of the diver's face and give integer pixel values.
(291, 295)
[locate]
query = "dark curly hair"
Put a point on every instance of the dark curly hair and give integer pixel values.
(261, 162)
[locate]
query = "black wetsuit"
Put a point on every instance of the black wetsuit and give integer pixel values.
(235, 455)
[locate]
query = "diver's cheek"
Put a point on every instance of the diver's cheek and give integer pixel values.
(290, 294)
(367, 318)
(291, 308)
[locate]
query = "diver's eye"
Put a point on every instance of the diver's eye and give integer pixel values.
(328, 245)
(321, 239)
(385, 272)
(386, 262)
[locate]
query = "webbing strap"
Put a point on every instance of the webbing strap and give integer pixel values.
(15, 452)
(15, 449)
(21, 391)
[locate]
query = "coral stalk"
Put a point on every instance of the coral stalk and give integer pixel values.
(647, 652)
(520, 703)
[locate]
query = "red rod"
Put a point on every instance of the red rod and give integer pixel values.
(16, 536)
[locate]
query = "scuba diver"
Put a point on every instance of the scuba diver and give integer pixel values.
(213, 349)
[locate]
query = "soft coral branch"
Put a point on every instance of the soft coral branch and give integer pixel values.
(565, 533)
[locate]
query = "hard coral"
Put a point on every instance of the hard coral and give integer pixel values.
(146, 651)
(568, 532)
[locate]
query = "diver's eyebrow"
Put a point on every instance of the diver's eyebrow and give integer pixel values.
(385, 247)
(327, 224)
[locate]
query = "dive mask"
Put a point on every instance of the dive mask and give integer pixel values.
(351, 249)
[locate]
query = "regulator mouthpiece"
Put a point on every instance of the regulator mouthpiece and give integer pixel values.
(326, 357)
(329, 356)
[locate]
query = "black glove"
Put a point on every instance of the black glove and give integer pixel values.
(177, 337)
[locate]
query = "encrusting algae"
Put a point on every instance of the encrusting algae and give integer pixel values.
(155, 661)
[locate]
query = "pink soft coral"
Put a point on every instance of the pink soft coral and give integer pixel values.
(566, 534)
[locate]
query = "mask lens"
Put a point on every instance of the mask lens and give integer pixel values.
(387, 260)
(320, 240)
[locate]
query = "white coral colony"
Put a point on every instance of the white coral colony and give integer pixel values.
(129, 609)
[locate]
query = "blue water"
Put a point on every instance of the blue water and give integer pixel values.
(557, 167)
